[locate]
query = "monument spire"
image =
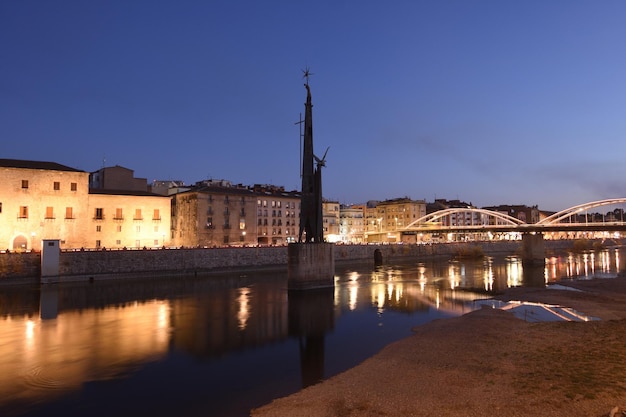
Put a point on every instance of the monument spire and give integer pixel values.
(311, 207)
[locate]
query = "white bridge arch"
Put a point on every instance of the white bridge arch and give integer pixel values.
(432, 218)
(564, 214)
(482, 217)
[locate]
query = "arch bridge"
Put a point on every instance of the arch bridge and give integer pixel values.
(475, 220)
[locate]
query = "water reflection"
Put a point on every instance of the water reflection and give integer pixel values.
(42, 358)
(222, 345)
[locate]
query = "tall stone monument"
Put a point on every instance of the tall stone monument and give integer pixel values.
(311, 260)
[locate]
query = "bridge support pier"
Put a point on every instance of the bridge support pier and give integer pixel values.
(533, 249)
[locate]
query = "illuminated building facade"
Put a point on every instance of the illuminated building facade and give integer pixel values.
(216, 213)
(351, 224)
(391, 217)
(46, 200)
(330, 221)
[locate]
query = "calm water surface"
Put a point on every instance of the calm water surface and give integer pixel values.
(219, 346)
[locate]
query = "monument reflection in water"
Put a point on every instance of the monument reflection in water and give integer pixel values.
(221, 345)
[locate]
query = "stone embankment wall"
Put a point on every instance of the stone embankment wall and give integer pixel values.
(85, 265)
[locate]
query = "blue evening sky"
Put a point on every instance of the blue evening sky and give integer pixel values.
(491, 102)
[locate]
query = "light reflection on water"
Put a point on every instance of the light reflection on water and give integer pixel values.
(219, 346)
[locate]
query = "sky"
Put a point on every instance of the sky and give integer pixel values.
(490, 102)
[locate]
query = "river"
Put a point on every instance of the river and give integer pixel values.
(221, 345)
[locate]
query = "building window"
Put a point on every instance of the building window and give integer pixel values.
(209, 222)
(98, 243)
(156, 215)
(0, 207)
(57, 186)
(138, 229)
(73, 186)
(69, 213)
(98, 228)
(137, 243)
(138, 214)
(49, 213)
(24, 183)
(242, 224)
(118, 214)
(156, 242)
(119, 228)
(23, 212)
(99, 215)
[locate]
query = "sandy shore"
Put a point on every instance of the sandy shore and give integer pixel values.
(489, 363)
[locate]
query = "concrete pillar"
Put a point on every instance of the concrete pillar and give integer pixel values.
(311, 265)
(533, 249)
(50, 255)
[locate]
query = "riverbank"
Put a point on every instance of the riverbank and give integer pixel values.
(488, 363)
(90, 265)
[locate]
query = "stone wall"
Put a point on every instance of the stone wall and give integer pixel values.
(85, 265)
(19, 265)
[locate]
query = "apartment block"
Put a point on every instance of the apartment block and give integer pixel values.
(217, 213)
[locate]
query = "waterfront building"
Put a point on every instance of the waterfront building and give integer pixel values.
(389, 218)
(351, 224)
(217, 213)
(47, 200)
(128, 219)
(330, 221)
(397, 214)
(521, 212)
(371, 223)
